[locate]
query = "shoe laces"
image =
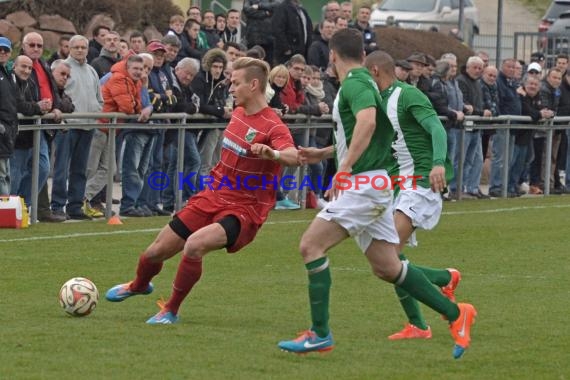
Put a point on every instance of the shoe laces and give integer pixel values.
(305, 335)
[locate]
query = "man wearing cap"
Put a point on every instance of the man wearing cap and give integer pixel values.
(8, 116)
(72, 153)
(416, 78)
(163, 101)
(534, 69)
(402, 70)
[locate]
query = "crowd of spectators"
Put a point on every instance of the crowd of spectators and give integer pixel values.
(189, 69)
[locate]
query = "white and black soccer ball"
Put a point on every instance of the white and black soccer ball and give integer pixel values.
(78, 297)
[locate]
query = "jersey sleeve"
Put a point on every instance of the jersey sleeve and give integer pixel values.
(420, 107)
(361, 94)
(280, 137)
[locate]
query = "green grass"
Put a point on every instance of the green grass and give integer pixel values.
(515, 271)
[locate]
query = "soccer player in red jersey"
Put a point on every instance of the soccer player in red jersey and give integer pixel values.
(229, 212)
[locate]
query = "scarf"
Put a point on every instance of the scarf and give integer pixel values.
(316, 91)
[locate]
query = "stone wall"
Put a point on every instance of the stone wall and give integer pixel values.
(52, 27)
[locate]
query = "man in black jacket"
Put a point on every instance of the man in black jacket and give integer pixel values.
(32, 47)
(319, 49)
(258, 15)
(188, 103)
(469, 83)
(292, 28)
(8, 116)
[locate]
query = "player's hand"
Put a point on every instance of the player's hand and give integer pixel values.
(437, 179)
(336, 189)
(263, 151)
(310, 155)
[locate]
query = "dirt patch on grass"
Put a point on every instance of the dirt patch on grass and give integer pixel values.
(401, 43)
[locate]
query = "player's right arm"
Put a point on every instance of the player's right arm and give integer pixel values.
(311, 155)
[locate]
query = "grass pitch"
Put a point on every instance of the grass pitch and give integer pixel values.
(513, 255)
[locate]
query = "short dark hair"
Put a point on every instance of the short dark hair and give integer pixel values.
(222, 15)
(65, 37)
(137, 33)
(562, 56)
(98, 28)
(189, 22)
(232, 11)
(348, 44)
(235, 45)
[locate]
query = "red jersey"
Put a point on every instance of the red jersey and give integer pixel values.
(241, 178)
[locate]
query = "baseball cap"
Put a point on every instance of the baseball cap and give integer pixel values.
(534, 66)
(155, 46)
(403, 64)
(5, 43)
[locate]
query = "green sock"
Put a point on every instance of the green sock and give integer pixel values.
(319, 294)
(416, 283)
(438, 277)
(410, 305)
(411, 308)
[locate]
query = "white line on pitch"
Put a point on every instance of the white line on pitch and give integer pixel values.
(128, 232)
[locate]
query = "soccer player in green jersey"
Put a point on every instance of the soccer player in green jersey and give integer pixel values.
(363, 139)
(420, 148)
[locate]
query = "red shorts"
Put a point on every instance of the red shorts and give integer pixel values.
(203, 210)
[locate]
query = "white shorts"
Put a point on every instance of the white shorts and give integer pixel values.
(422, 206)
(366, 213)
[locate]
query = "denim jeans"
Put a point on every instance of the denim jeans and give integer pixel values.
(498, 158)
(473, 162)
(4, 176)
(21, 170)
(70, 170)
(192, 163)
(453, 135)
(149, 196)
(517, 166)
(136, 158)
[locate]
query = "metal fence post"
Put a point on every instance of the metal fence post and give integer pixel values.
(548, 157)
(180, 165)
(110, 172)
(303, 168)
(459, 179)
(506, 159)
(35, 172)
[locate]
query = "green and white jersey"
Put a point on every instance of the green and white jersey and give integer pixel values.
(358, 91)
(408, 110)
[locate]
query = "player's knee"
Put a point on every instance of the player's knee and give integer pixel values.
(309, 249)
(195, 248)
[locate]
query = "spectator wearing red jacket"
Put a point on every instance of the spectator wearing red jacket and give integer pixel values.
(293, 94)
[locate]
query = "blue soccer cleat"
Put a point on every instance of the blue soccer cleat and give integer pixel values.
(163, 317)
(121, 292)
(308, 341)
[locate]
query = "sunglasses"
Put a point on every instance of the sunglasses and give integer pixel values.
(4, 50)
(534, 71)
(33, 45)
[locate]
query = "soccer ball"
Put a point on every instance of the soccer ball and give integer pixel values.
(78, 297)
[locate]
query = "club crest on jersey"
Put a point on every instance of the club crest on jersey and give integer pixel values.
(250, 135)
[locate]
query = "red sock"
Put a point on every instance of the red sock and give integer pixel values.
(188, 274)
(146, 270)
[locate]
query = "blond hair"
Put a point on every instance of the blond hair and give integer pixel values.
(279, 70)
(254, 69)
